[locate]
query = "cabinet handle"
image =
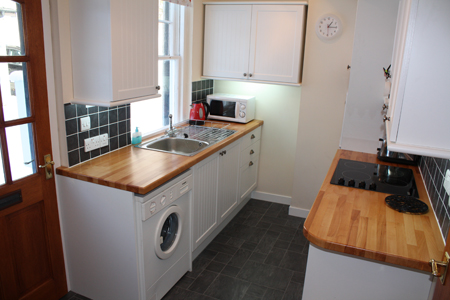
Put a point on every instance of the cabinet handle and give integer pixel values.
(385, 106)
(386, 118)
(221, 153)
(250, 75)
(245, 74)
(252, 137)
(250, 164)
(224, 152)
(251, 152)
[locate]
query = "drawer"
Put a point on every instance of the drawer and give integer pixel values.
(250, 153)
(251, 137)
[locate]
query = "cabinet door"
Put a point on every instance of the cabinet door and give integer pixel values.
(276, 46)
(204, 215)
(228, 180)
(248, 178)
(226, 40)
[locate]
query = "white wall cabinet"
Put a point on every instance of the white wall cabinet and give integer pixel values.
(260, 43)
(114, 51)
(249, 161)
(215, 191)
(418, 106)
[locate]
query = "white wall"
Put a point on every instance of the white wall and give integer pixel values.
(324, 89)
(279, 107)
(375, 30)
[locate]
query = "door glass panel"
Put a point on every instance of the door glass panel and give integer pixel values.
(2, 169)
(11, 29)
(21, 150)
(14, 89)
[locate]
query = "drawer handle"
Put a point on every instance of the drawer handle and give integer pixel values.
(252, 137)
(251, 152)
(250, 164)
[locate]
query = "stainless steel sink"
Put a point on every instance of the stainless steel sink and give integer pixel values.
(188, 141)
(175, 145)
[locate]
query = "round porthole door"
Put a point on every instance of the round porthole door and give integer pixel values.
(168, 232)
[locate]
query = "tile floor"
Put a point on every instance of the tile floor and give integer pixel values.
(260, 254)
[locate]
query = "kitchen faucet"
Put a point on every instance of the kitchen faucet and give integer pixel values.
(171, 132)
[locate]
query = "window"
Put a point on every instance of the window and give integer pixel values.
(152, 115)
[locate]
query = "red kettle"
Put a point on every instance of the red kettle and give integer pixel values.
(199, 113)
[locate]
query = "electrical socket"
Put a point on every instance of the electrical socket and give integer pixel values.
(103, 140)
(96, 142)
(85, 123)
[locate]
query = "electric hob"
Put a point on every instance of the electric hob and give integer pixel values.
(375, 177)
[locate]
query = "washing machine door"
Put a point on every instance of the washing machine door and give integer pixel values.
(168, 232)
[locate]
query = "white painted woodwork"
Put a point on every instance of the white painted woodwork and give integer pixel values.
(249, 161)
(227, 36)
(204, 201)
(228, 181)
(419, 106)
(261, 43)
(114, 51)
(276, 46)
(353, 278)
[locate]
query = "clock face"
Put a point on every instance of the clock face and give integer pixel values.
(328, 26)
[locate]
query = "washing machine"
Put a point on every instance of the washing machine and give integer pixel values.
(163, 225)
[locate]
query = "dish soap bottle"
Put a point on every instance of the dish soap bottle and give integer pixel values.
(136, 137)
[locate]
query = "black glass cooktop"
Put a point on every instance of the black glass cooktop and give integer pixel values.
(375, 177)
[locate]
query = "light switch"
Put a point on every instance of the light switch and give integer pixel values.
(447, 184)
(85, 123)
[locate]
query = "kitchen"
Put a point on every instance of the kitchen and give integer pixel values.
(325, 64)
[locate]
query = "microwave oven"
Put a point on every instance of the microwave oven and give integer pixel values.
(233, 108)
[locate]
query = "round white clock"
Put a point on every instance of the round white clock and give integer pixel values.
(328, 26)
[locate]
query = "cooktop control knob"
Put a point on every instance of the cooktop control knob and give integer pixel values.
(351, 182)
(341, 181)
(362, 185)
(373, 186)
(242, 114)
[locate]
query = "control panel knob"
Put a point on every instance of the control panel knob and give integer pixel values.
(153, 208)
(362, 185)
(163, 200)
(351, 182)
(373, 186)
(341, 181)
(243, 106)
(242, 114)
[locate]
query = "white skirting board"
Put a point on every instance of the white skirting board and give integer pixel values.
(293, 211)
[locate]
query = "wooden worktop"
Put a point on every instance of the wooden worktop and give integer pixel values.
(358, 222)
(140, 170)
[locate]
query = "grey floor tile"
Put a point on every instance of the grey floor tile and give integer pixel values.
(265, 275)
(253, 219)
(239, 259)
(223, 258)
(248, 233)
(275, 256)
(235, 242)
(198, 265)
(207, 254)
(215, 266)
(227, 288)
(221, 238)
(223, 248)
(255, 292)
(258, 257)
(249, 246)
(263, 225)
(281, 244)
(203, 281)
(274, 220)
(288, 237)
(272, 294)
(231, 271)
(294, 291)
(296, 248)
(299, 238)
(298, 277)
(282, 229)
(185, 282)
(265, 245)
(294, 261)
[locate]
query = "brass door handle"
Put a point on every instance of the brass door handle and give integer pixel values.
(47, 166)
(435, 264)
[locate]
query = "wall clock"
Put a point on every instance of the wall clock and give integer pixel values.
(328, 26)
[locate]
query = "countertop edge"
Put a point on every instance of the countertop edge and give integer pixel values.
(385, 257)
(143, 189)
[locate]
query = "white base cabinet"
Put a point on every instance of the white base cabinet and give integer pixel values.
(221, 182)
(418, 105)
(259, 43)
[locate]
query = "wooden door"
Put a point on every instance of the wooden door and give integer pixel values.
(31, 256)
(442, 292)
(227, 41)
(276, 42)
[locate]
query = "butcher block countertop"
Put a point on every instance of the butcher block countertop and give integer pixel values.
(140, 170)
(358, 222)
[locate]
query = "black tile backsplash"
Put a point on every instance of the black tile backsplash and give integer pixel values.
(115, 121)
(201, 89)
(433, 173)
